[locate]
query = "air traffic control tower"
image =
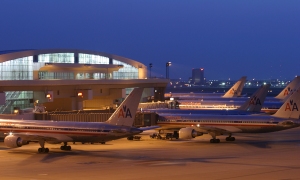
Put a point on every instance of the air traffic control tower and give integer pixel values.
(68, 79)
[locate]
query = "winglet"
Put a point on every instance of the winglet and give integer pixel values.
(255, 102)
(290, 108)
(125, 113)
(292, 86)
(237, 88)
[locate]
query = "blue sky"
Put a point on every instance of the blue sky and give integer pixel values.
(229, 39)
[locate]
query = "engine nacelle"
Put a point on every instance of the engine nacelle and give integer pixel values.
(13, 141)
(188, 133)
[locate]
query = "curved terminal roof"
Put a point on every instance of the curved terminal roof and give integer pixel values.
(15, 54)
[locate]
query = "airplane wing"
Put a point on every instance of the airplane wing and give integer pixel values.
(148, 128)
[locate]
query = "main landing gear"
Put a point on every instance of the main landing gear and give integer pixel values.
(229, 138)
(42, 149)
(65, 147)
(213, 140)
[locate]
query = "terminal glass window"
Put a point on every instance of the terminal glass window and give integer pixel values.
(57, 58)
(17, 69)
(16, 99)
(127, 72)
(55, 75)
(92, 59)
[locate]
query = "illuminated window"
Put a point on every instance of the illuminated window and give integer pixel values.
(127, 72)
(92, 59)
(57, 58)
(17, 69)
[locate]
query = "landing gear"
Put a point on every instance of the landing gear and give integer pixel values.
(214, 140)
(65, 147)
(230, 138)
(42, 149)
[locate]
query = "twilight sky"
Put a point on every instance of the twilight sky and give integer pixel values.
(229, 39)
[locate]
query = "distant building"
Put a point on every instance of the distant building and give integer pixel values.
(198, 76)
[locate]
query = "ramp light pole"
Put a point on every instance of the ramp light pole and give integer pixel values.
(150, 66)
(168, 64)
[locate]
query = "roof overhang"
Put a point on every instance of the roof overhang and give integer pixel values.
(41, 85)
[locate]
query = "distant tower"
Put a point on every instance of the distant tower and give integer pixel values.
(198, 76)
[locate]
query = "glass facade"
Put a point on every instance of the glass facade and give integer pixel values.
(92, 59)
(57, 58)
(55, 75)
(127, 72)
(17, 69)
(24, 68)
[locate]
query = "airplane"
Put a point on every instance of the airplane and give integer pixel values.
(252, 105)
(292, 86)
(119, 125)
(234, 91)
(271, 104)
(187, 126)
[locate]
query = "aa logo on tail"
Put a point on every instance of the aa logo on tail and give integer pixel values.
(124, 112)
(233, 91)
(255, 101)
(291, 106)
(288, 91)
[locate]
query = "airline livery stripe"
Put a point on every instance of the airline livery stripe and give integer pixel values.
(52, 132)
(216, 124)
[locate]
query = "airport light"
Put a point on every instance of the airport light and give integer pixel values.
(168, 64)
(48, 96)
(150, 66)
(80, 94)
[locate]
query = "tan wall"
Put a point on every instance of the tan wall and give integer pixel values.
(103, 102)
(62, 104)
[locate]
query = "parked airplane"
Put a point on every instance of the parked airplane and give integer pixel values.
(234, 91)
(292, 86)
(252, 105)
(119, 125)
(271, 103)
(190, 126)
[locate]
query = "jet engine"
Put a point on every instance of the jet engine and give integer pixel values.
(13, 141)
(188, 133)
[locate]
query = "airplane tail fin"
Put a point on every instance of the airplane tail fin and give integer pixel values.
(292, 86)
(255, 102)
(237, 88)
(125, 113)
(290, 108)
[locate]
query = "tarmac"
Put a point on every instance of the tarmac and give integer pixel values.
(251, 156)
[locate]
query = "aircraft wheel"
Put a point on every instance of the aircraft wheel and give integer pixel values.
(130, 138)
(214, 140)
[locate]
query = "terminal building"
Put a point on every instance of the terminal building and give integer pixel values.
(68, 80)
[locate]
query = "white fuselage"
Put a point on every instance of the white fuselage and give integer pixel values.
(230, 123)
(66, 131)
